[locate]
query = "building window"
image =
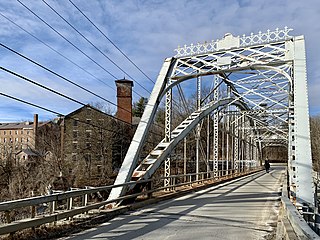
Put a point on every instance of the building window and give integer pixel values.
(75, 134)
(88, 134)
(16, 132)
(88, 121)
(100, 121)
(16, 140)
(28, 132)
(4, 140)
(88, 144)
(21, 131)
(87, 157)
(75, 122)
(99, 169)
(4, 132)
(10, 132)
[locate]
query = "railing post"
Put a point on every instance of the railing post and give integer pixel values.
(8, 218)
(174, 183)
(33, 211)
(149, 188)
(85, 199)
(69, 205)
(54, 203)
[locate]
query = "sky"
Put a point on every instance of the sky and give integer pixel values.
(147, 31)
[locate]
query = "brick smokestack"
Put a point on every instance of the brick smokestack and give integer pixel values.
(124, 100)
(35, 130)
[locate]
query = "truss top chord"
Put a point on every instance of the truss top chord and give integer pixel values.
(229, 41)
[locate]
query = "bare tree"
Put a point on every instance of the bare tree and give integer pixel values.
(315, 141)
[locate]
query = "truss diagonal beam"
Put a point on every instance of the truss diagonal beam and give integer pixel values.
(139, 137)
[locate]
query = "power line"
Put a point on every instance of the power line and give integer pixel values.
(84, 37)
(31, 104)
(57, 32)
(60, 94)
(54, 112)
(41, 86)
(53, 91)
(126, 56)
(60, 76)
(47, 45)
(62, 115)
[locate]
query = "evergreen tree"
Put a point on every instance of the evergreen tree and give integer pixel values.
(139, 106)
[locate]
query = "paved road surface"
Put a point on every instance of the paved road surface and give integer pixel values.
(246, 208)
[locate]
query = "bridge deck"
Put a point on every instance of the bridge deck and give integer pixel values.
(246, 208)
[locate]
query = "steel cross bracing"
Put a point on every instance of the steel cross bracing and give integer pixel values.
(215, 129)
(266, 73)
(168, 116)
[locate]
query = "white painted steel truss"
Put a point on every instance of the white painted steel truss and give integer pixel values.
(266, 73)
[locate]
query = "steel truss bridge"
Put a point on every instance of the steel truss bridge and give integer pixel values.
(259, 99)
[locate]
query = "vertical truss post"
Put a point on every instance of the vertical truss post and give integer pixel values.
(302, 145)
(251, 152)
(222, 144)
(198, 126)
(242, 140)
(215, 129)
(248, 144)
(232, 130)
(168, 116)
(185, 157)
(291, 157)
(236, 144)
(208, 145)
(228, 132)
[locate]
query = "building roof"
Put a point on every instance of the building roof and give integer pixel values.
(29, 152)
(88, 106)
(96, 110)
(19, 125)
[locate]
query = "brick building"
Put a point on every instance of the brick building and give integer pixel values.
(20, 135)
(93, 143)
(87, 145)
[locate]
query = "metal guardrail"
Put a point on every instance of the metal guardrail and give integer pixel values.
(54, 215)
(294, 224)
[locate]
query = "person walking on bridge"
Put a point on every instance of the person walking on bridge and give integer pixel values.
(267, 165)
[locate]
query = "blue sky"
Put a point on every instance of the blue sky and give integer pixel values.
(147, 31)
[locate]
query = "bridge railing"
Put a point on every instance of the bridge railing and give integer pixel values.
(32, 218)
(296, 221)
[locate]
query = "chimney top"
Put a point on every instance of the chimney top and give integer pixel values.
(124, 81)
(124, 100)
